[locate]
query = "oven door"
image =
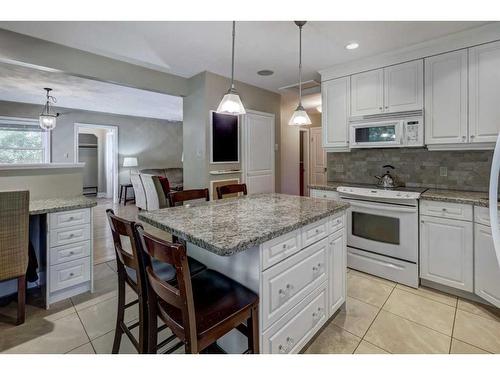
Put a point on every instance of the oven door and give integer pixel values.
(384, 229)
(376, 134)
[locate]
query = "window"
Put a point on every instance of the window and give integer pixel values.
(22, 141)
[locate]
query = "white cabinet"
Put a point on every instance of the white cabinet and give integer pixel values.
(486, 270)
(326, 194)
(484, 91)
(446, 252)
(403, 87)
(446, 98)
(367, 93)
(337, 261)
(335, 96)
(395, 88)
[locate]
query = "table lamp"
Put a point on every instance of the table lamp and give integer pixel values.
(130, 162)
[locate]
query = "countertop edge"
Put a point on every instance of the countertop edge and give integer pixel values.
(242, 246)
(70, 207)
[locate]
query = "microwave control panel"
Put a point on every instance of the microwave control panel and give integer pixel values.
(414, 133)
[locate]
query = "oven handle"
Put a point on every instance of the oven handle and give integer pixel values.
(383, 206)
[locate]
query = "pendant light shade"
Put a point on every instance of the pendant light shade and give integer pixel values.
(300, 116)
(231, 103)
(47, 119)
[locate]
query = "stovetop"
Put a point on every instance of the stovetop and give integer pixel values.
(378, 193)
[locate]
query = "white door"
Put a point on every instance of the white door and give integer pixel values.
(486, 269)
(446, 98)
(446, 252)
(258, 152)
(484, 91)
(367, 93)
(404, 87)
(336, 103)
(318, 158)
(337, 263)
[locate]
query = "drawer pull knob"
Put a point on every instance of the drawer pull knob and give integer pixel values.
(281, 292)
(444, 209)
(284, 246)
(290, 341)
(71, 274)
(338, 221)
(71, 218)
(283, 349)
(71, 253)
(71, 235)
(317, 231)
(289, 286)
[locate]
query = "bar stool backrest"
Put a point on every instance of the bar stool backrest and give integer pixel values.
(179, 197)
(231, 189)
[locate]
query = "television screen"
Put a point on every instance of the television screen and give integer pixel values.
(224, 138)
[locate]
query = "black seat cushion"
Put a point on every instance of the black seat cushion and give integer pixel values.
(216, 299)
(166, 272)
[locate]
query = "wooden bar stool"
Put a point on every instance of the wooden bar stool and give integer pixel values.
(129, 264)
(177, 198)
(199, 309)
(231, 189)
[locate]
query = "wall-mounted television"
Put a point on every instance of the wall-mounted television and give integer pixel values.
(225, 145)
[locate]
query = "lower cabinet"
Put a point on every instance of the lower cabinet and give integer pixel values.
(446, 252)
(486, 270)
(337, 261)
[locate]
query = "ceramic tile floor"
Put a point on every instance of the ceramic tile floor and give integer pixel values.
(380, 316)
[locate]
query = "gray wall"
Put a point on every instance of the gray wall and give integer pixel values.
(155, 143)
(466, 170)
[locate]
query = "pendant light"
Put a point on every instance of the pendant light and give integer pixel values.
(231, 102)
(46, 118)
(300, 116)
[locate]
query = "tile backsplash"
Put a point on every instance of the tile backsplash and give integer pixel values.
(460, 170)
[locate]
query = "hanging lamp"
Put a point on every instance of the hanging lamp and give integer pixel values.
(300, 116)
(231, 103)
(47, 119)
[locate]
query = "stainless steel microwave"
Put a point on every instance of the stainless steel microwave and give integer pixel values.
(405, 132)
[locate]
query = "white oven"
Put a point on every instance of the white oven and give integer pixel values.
(400, 132)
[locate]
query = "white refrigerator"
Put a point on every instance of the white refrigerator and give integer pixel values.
(493, 202)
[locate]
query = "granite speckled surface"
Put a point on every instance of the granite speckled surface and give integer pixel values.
(330, 185)
(457, 196)
(44, 206)
(226, 227)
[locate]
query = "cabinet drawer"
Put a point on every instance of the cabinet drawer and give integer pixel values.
(289, 281)
(69, 252)
(277, 249)
(297, 327)
(64, 236)
(314, 232)
(69, 218)
(69, 274)
(446, 209)
(336, 223)
(482, 215)
(327, 194)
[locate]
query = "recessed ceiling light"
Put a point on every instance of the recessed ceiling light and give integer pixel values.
(352, 45)
(265, 72)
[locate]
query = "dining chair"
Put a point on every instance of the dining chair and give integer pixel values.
(14, 243)
(231, 189)
(131, 272)
(177, 198)
(199, 309)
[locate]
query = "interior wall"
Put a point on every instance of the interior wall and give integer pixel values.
(156, 143)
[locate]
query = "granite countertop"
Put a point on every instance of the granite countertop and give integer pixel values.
(226, 227)
(48, 205)
(330, 185)
(476, 198)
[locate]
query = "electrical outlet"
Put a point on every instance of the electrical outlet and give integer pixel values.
(443, 171)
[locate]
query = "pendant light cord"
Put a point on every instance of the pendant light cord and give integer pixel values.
(300, 65)
(232, 56)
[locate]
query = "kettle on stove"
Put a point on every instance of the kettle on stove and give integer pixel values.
(386, 180)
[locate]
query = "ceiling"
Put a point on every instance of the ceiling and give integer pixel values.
(187, 48)
(25, 85)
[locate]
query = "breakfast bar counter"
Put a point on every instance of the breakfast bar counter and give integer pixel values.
(289, 250)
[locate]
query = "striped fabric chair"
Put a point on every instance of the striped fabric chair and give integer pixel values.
(14, 243)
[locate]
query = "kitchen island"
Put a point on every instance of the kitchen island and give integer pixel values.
(289, 250)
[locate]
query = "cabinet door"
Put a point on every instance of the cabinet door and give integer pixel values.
(317, 158)
(336, 110)
(367, 93)
(484, 91)
(446, 98)
(337, 270)
(446, 252)
(404, 87)
(486, 271)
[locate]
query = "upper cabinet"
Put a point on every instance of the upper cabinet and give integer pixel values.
(367, 95)
(446, 98)
(335, 116)
(404, 87)
(396, 88)
(484, 91)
